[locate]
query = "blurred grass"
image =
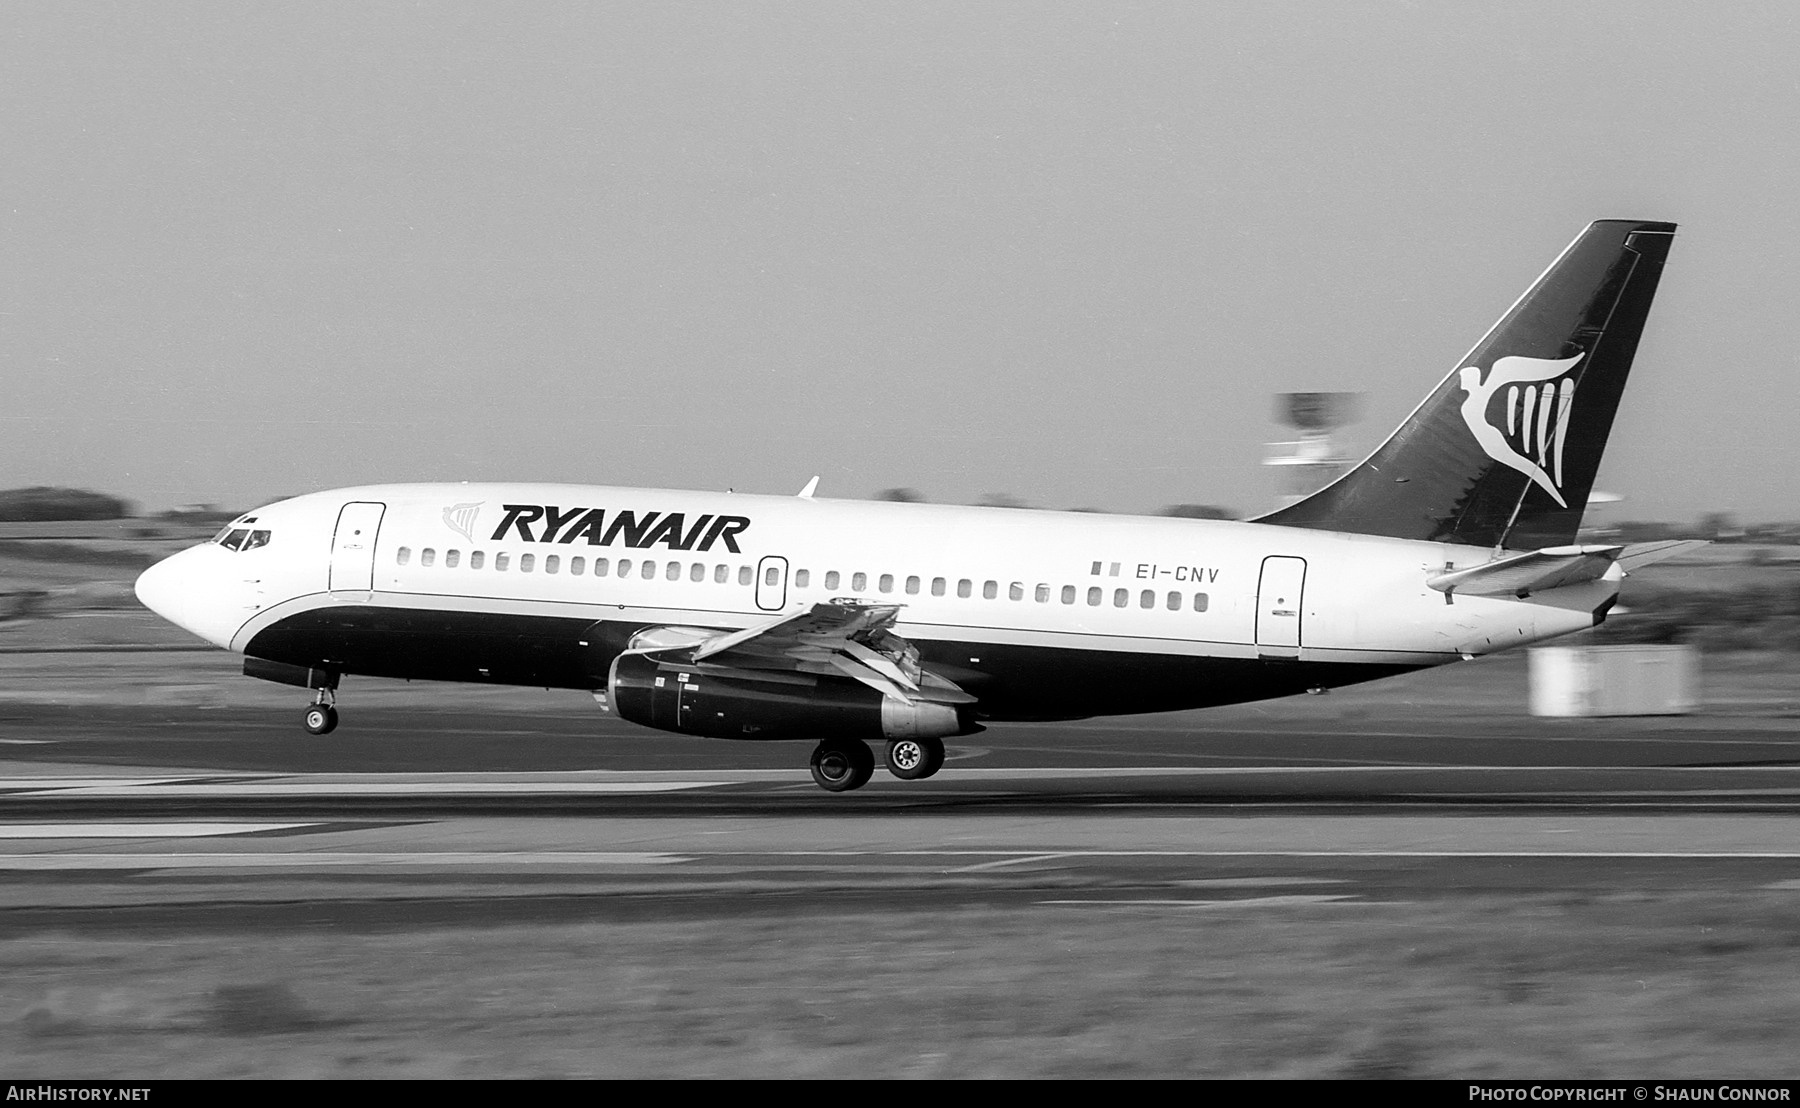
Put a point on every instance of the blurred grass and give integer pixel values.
(1676, 987)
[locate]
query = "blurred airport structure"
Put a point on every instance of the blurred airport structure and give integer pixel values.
(1648, 680)
(1313, 460)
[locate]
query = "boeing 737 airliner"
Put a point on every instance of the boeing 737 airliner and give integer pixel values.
(850, 622)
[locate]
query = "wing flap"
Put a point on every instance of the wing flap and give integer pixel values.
(843, 637)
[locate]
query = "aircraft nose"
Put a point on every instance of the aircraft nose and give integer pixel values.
(159, 589)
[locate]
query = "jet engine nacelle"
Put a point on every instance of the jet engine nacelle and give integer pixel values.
(722, 703)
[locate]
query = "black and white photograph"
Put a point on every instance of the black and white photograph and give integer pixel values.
(1034, 539)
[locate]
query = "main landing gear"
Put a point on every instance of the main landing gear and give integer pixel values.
(915, 759)
(322, 718)
(839, 765)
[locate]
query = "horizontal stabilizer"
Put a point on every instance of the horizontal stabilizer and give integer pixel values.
(1523, 574)
(1639, 555)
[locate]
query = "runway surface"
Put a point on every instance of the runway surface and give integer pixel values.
(145, 816)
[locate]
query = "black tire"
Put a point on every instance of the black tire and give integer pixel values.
(839, 765)
(320, 719)
(915, 759)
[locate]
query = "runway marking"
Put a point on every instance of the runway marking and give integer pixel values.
(626, 781)
(27, 742)
(1004, 862)
(137, 830)
(1259, 882)
(1325, 729)
(1035, 855)
(93, 782)
(401, 784)
(335, 859)
(1235, 902)
(598, 859)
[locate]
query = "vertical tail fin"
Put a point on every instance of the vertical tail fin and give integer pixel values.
(1504, 451)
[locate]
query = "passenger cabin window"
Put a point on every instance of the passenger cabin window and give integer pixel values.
(745, 575)
(1068, 594)
(673, 573)
(401, 556)
(577, 566)
(1121, 597)
(990, 589)
(501, 561)
(1147, 599)
(647, 570)
(1199, 602)
(1043, 594)
(552, 563)
(912, 586)
(624, 567)
(938, 585)
(600, 566)
(527, 562)
(831, 579)
(886, 584)
(801, 577)
(858, 582)
(477, 559)
(1094, 597)
(428, 557)
(451, 558)
(1015, 591)
(964, 587)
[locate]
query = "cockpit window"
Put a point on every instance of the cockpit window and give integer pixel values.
(241, 538)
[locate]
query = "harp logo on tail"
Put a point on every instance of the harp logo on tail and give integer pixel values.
(461, 519)
(1536, 398)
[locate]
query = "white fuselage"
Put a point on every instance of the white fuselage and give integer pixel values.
(969, 578)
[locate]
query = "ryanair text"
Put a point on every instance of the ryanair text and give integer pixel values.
(560, 525)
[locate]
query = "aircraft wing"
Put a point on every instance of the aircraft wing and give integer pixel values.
(1552, 568)
(839, 638)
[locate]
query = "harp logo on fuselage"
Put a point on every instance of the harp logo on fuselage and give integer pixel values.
(461, 519)
(598, 527)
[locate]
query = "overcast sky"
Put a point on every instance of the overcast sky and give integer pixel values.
(1066, 251)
